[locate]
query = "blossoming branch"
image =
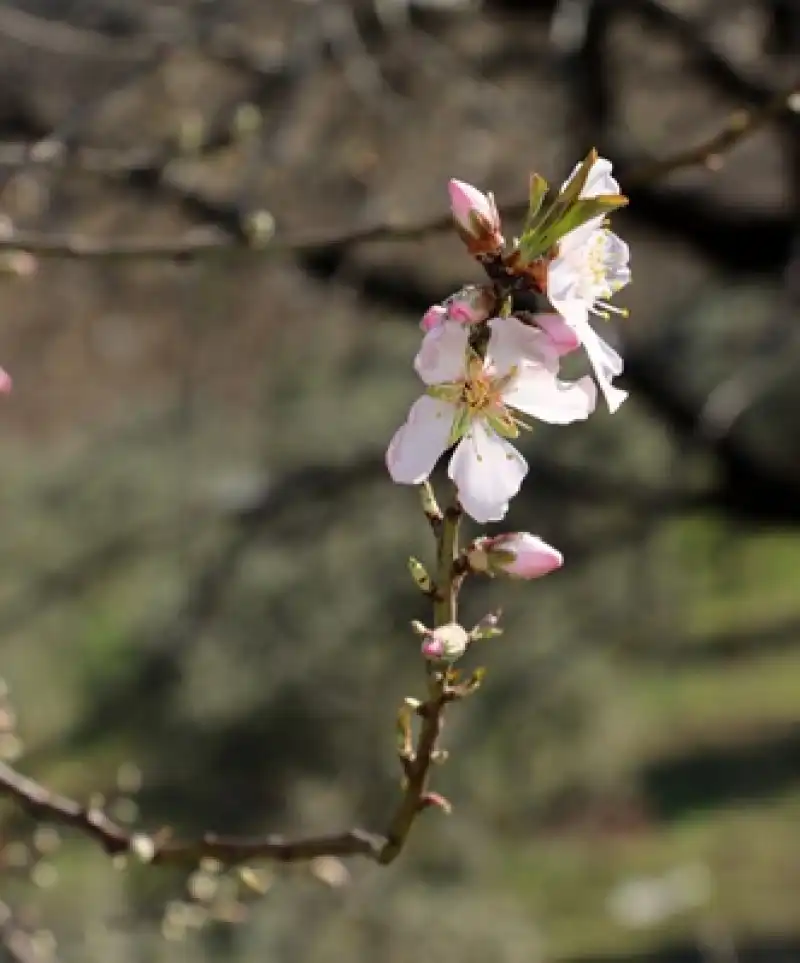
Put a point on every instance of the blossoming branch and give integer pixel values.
(489, 366)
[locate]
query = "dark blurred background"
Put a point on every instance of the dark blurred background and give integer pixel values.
(204, 601)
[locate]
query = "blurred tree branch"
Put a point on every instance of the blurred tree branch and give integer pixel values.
(211, 241)
(42, 804)
(709, 153)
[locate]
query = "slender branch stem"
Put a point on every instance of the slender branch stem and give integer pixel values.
(432, 711)
(445, 608)
(162, 848)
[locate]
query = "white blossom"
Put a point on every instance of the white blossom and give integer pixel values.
(590, 267)
(472, 402)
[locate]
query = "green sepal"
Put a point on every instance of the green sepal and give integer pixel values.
(535, 244)
(499, 558)
(572, 190)
(474, 682)
(483, 632)
(536, 194)
(420, 575)
(581, 212)
(449, 391)
(531, 244)
(460, 424)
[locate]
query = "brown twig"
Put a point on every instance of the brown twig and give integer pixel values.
(417, 766)
(162, 848)
(211, 242)
(740, 125)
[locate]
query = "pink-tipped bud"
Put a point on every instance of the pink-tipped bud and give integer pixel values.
(471, 305)
(517, 554)
(445, 644)
(476, 216)
(433, 317)
(5, 382)
(560, 335)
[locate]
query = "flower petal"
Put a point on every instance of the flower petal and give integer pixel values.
(616, 255)
(560, 335)
(442, 357)
(419, 443)
(512, 341)
(538, 392)
(487, 471)
(599, 180)
(605, 361)
(564, 288)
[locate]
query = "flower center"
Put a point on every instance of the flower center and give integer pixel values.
(596, 267)
(478, 393)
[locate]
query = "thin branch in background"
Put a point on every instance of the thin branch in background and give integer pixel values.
(704, 51)
(57, 37)
(709, 153)
(210, 241)
(273, 148)
(360, 68)
(62, 141)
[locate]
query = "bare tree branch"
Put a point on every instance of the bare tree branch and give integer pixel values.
(213, 242)
(62, 38)
(708, 153)
(161, 848)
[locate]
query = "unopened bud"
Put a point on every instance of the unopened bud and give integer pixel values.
(476, 217)
(517, 554)
(435, 316)
(472, 304)
(446, 643)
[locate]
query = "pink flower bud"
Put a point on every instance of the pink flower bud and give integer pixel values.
(519, 555)
(476, 216)
(445, 644)
(471, 305)
(562, 337)
(433, 317)
(5, 382)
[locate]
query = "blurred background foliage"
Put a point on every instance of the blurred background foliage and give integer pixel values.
(204, 600)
